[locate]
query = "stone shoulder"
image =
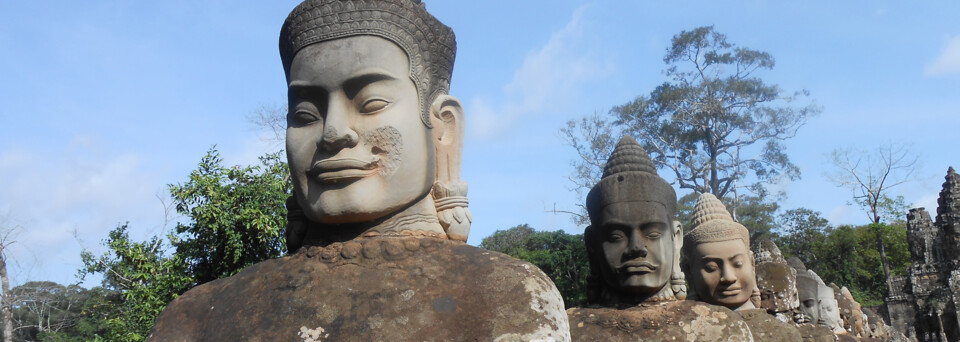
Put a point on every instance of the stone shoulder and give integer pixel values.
(409, 288)
(664, 321)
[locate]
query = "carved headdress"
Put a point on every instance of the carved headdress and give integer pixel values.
(630, 176)
(430, 45)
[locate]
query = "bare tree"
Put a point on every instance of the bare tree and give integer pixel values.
(870, 175)
(273, 119)
(8, 231)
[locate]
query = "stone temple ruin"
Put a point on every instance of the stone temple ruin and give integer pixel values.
(926, 302)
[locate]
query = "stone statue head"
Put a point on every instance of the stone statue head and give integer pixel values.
(371, 131)
(829, 308)
(778, 287)
(717, 256)
(633, 242)
(807, 290)
(851, 312)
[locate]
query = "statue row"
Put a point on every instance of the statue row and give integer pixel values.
(379, 216)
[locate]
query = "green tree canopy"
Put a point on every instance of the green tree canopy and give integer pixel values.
(561, 256)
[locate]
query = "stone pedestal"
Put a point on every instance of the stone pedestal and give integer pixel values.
(373, 289)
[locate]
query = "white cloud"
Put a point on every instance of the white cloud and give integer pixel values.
(948, 62)
(548, 76)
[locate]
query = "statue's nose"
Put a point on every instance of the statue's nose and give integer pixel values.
(337, 131)
(636, 246)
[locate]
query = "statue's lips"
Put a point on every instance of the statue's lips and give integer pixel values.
(334, 170)
(637, 267)
(731, 291)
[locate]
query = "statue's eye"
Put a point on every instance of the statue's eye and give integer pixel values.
(738, 264)
(711, 267)
(302, 117)
(654, 235)
(616, 235)
(373, 105)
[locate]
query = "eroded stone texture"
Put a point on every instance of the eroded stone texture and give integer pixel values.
(664, 321)
(766, 327)
(850, 312)
(816, 333)
(373, 289)
(778, 291)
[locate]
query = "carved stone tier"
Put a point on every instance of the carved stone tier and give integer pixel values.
(386, 288)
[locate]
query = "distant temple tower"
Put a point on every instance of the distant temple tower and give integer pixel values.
(925, 303)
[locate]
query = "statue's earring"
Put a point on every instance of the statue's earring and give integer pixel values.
(755, 297)
(678, 283)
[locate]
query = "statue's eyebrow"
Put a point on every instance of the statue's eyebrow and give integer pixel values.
(354, 84)
(714, 258)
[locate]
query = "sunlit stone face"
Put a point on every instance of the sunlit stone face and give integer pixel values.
(829, 309)
(722, 272)
(356, 146)
(637, 244)
(809, 303)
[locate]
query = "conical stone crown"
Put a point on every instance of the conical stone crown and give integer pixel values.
(709, 208)
(628, 156)
(712, 223)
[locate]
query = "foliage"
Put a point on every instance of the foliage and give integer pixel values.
(714, 122)
(146, 278)
(561, 256)
(845, 255)
(237, 215)
(48, 311)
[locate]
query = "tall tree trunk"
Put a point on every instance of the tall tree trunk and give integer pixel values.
(883, 252)
(5, 299)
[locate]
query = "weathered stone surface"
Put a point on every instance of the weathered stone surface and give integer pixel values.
(664, 321)
(766, 327)
(778, 290)
(373, 289)
(850, 312)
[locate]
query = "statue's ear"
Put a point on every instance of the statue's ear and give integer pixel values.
(447, 118)
(677, 235)
(449, 191)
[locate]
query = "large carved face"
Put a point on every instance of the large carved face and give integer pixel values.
(637, 244)
(778, 287)
(356, 146)
(722, 272)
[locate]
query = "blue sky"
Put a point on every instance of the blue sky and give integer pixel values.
(103, 104)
